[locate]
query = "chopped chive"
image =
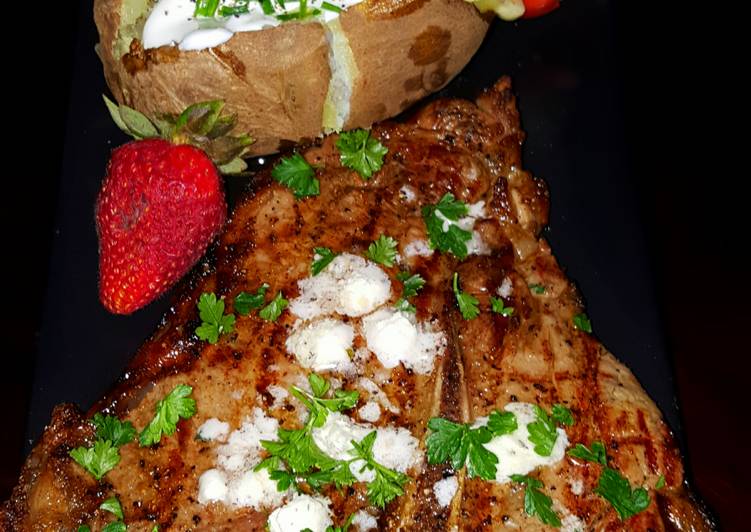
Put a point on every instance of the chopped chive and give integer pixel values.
(240, 8)
(331, 7)
(267, 8)
(206, 8)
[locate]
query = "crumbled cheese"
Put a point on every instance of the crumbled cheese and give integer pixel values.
(577, 486)
(254, 489)
(244, 444)
(370, 411)
(212, 487)
(477, 246)
(516, 454)
(407, 193)
(445, 490)
(419, 248)
(571, 523)
(279, 394)
(322, 345)
(364, 521)
(394, 447)
(506, 288)
(379, 395)
(213, 429)
(349, 285)
(395, 336)
(476, 210)
(300, 513)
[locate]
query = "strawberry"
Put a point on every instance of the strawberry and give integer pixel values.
(162, 201)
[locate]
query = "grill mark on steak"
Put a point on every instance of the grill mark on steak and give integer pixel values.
(472, 150)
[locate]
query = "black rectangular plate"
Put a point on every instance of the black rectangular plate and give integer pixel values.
(564, 68)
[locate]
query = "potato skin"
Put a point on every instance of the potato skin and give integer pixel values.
(276, 80)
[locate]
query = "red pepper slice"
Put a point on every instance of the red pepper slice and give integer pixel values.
(537, 8)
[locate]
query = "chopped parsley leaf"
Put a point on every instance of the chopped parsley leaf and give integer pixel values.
(597, 454)
(214, 321)
(112, 429)
(581, 322)
(542, 432)
(247, 301)
(496, 304)
(536, 503)
(99, 459)
(562, 415)
(175, 406)
(113, 506)
(660, 482)
(615, 488)
(322, 257)
(500, 423)
(411, 285)
(318, 404)
(295, 172)
(460, 444)
(388, 483)
(468, 304)
(274, 309)
(358, 150)
(442, 234)
(383, 251)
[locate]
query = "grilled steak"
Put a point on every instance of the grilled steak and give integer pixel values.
(533, 355)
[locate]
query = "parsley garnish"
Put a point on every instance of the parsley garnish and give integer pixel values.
(581, 322)
(412, 284)
(496, 304)
(177, 404)
(461, 444)
(322, 257)
(214, 321)
(388, 484)
(112, 505)
(615, 489)
(361, 152)
(84, 528)
(97, 460)
(454, 238)
(542, 432)
(274, 309)
(467, 302)
(500, 423)
(597, 454)
(112, 429)
(536, 503)
(318, 404)
(304, 461)
(537, 288)
(117, 526)
(562, 415)
(383, 251)
(246, 301)
(660, 482)
(295, 172)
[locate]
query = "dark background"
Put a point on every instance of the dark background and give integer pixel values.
(638, 93)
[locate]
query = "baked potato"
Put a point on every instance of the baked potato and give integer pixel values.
(292, 82)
